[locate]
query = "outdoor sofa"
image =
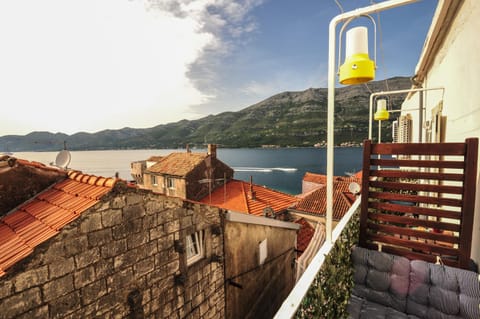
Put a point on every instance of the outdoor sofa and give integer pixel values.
(388, 286)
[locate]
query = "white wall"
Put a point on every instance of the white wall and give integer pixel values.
(456, 67)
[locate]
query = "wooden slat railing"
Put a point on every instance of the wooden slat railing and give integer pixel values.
(418, 199)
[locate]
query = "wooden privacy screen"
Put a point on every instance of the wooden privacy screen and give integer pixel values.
(418, 199)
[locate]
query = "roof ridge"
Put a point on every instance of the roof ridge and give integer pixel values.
(265, 187)
(90, 179)
(36, 164)
(245, 195)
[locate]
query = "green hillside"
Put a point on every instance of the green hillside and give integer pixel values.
(285, 119)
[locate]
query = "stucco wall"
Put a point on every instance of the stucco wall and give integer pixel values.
(309, 186)
(253, 290)
(161, 186)
(119, 260)
(197, 187)
(455, 67)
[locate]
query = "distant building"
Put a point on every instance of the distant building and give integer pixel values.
(186, 175)
(312, 204)
(249, 198)
(405, 129)
(311, 207)
(313, 181)
(260, 210)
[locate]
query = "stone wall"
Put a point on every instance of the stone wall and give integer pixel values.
(211, 168)
(119, 259)
(256, 290)
(19, 182)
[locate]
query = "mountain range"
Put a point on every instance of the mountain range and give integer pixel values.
(296, 119)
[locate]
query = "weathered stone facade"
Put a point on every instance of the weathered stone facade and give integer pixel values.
(19, 182)
(257, 289)
(119, 260)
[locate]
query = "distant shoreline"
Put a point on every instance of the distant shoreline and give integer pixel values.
(192, 148)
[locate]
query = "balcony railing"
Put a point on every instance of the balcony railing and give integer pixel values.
(324, 288)
(404, 230)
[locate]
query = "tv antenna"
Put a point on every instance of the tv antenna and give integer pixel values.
(354, 188)
(63, 157)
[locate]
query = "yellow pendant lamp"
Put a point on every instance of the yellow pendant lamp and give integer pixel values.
(381, 114)
(357, 68)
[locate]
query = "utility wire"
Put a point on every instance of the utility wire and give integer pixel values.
(382, 52)
(339, 5)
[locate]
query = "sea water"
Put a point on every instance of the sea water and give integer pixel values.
(277, 168)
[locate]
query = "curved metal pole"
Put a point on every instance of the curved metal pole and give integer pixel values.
(331, 93)
(370, 116)
(340, 34)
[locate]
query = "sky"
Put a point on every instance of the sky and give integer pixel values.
(88, 65)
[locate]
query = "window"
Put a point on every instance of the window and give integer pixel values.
(170, 182)
(195, 247)
(154, 180)
(262, 252)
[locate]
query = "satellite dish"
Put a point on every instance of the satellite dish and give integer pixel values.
(63, 159)
(354, 188)
(268, 212)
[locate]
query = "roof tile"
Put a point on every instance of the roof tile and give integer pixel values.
(178, 164)
(235, 196)
(12, 247)
(44, 215)
(304, 235)
(315, 202)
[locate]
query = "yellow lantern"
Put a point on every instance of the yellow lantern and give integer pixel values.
(381, 114)
(357, 68)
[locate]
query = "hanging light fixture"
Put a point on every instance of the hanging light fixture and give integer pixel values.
(382, 113)
(357, 68)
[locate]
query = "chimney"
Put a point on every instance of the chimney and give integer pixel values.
(212, 150)
(251, 193)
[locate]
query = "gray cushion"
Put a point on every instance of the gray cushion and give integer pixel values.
(469, 285)
(388, 286)
(359, 308)
(381, 278)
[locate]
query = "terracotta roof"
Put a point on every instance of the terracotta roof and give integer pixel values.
(322, 179)
(304, 235)
(235, 197)
(21, 179)
(43, 216)
(178, 164)
(315, 202)
(155, 158)
(315, 178)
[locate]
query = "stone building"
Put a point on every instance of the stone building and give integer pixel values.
(92, 247)
(256, 210)
(259, 264)
(88, 246)
(183, 174)
(312, 203)
(250, 198)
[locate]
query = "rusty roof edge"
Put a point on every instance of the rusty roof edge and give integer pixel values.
(245, 197)
(259, 220)
(304, 212)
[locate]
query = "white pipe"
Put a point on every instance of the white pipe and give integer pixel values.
(331, 93)
(370, 119)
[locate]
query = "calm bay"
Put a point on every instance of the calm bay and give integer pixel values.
(277, 168)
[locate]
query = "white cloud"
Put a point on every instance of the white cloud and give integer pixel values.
(86, 65)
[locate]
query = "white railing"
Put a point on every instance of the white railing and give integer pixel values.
(294, 299)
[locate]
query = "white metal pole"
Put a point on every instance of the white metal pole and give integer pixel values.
(370, 116)
(331, 93)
